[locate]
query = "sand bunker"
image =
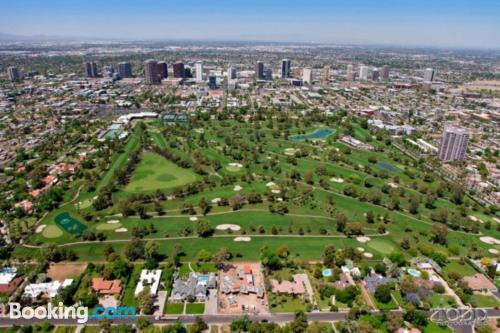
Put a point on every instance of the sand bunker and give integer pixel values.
(363, 239)
(360, 249)
(493, 251)
(276, 191)
(193, 218)
(113, 222)
(40, 228)
(393, 185)
(489, 240)
(271, 184)
(232, 227)
(336, 180)
(215, 200)
(242, 239)
(238, 188)
(199, 130)
(236, 165)
(290, 151)
(121, 230)
(368, 255)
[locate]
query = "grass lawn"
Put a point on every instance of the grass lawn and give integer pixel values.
(199, 268)
(439, 300)
(129, 298)
(65, 329)
(381, 246)
(156, 172)
(486, 301)
(91, 329)
(285, 303)
(174, 308)
(195, 308)
(462, 270)
(435, 328)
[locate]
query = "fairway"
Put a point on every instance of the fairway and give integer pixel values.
(155, 172)
(381, 246)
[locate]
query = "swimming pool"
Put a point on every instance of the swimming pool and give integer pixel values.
(7, 270)
(203, 278)
(320, 133)
(413, 272)
(327, 272)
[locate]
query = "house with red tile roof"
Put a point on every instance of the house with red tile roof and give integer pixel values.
(106, 287)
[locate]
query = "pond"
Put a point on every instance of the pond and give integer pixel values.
(320, 133)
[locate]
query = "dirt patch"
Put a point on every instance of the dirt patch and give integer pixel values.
(60, 272)
(232, 227)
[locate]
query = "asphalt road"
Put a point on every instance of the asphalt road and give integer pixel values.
(212, 319)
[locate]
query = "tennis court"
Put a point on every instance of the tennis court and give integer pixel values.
(69, 224)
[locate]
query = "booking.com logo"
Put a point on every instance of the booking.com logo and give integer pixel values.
(80, 313)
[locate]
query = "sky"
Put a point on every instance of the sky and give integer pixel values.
(439, 23)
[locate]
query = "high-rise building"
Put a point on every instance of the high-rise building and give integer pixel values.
(363, 72)
(91, 69)
(285, 68)
(375, 74)
(307, 75)
(198, 67)
(429, 75)
(453, 144)
(231, 73)
(268, 74)
(187, 72)
(13, 73)
(179, 71)
(350, 73)
(162, 69)
(296, 72)
(151, 72)
(125, 69)
(108, 71)
(212, 82)
(325, 73)
(384, 73)
(259, 70)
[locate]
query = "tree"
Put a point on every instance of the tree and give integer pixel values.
(204, 206)
(146, 301)
(221, 256)
(439, 234)
(204, 229)
(203, 256)
(413, 204)
(151, 250)
(299, 324)
(341, 221)
(198, 326)
(370, 217)
(383, 293)
(135, 249)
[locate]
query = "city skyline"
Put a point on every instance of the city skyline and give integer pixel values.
(457, 24)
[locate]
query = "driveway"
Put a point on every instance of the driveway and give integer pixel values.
(159, 303)
(211, 303)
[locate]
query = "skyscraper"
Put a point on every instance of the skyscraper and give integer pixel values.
(285, 68)
(124, 69)
(375, 74)
(199, 71)
(363, 72)
(350, 73)
(429, 75)
(179, 71)
(307, 75)
(259, 70)
(212, 82)
(384, 73)
(231, 73)
(151, 72)
(453, 144)
(108, 71)
(162, 70)
(13, 73)
(91, 69)
(269, 74)
(325, 74)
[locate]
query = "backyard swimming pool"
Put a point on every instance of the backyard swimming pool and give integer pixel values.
(327, 272)
(413, 272)
(320, 133)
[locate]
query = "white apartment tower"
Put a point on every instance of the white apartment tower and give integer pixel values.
(453, 144)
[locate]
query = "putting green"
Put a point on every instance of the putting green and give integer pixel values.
(85, 203)
(52, 231)
(108, 226)
(381, 246)
(156, 172)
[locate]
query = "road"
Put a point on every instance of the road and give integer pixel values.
(215, 319)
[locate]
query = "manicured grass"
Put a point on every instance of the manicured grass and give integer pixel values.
(195, 308)
(456, 267)
(440, 300)
(129, 298)
(285, 303)
(156, 172)
(174, 308)
(435, 328)
(91, 329)
(485, 301)
(52, 231)
(381, 246)
(65, 329)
